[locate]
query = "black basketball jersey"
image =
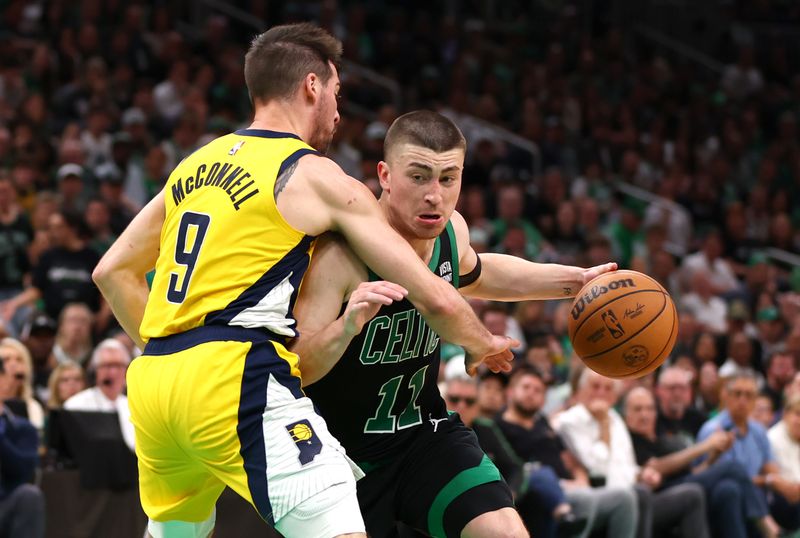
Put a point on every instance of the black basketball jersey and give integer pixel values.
(384, 386)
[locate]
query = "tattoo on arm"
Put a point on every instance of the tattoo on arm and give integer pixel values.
(567, 291)
(283, 179)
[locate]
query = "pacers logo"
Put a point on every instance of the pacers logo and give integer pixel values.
(612, 324)
(305, 440)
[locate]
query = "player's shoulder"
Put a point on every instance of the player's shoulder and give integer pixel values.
(459, 226)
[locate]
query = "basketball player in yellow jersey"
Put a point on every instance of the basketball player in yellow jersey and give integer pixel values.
(215, 398)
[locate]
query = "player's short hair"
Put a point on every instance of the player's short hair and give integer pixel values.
(426, 129)
(280, 58)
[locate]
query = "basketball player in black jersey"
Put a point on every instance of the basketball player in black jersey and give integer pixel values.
(370, 362)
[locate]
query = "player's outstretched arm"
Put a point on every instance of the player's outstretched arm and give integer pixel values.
(508, 278)
(324, 198)
(334, 275)
(120, 275)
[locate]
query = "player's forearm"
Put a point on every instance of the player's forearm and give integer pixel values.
(452, 318)
(508, 278)
(320, 352)
(126, 294)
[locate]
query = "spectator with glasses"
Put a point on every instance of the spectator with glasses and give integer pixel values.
(537, 492)
(751, 447)
(109, 361)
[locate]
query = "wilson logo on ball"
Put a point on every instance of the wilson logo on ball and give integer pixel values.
(599, 291)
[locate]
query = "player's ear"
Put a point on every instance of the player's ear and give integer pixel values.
(384, 175)
(311, 87)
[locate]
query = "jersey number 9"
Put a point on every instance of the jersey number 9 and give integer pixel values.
(190, 222)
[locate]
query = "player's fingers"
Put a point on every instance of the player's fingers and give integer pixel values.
(382, 287)
(391, 285)
(513, 342)
(372, 297)
(391, 290)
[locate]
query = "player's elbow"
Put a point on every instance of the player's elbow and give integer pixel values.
(104, 273)
(438, 305)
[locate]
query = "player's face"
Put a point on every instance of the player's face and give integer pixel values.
(326, 116)
(640, 413)
(421, 188)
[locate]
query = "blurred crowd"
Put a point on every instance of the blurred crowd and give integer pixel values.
(665, 166)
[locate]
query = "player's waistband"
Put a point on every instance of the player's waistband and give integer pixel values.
(208, 333)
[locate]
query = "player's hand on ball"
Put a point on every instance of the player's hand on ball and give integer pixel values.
(593, 272)
(498, 358)
(365, 302)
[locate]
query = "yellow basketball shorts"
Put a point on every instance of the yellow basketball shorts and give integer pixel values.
(217, 406)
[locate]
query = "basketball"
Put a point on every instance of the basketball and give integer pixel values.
(623, 324)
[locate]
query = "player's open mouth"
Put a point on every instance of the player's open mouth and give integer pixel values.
(430, 218)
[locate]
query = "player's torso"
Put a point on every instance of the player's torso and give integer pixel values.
(227, 255)
(385, 384)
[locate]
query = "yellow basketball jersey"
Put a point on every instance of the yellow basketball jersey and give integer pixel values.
(227, 255)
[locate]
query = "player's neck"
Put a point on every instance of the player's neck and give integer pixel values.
(280, 116)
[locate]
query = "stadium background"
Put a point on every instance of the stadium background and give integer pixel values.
(638, 131)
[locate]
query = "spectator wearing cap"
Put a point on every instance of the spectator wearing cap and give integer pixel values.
(738, 318)
(771, 329)
(71, 187)
(65, 381)
(21, 503)
(112, 192)
(109, 362)
(18, 365)
(15, 235)
(38, 336)
(63, 273)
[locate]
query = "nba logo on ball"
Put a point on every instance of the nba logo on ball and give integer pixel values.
(623, 324)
